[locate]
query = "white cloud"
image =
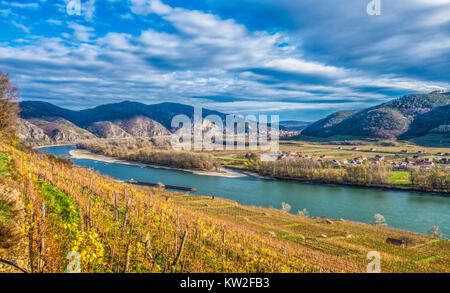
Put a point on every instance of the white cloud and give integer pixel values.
(205, 56)
(88, 9)
(145, 7)
(431, 2)
(20, 26)
(54, 21)
(20, 5)
(5, 12)
(297, 65)
(81, 32)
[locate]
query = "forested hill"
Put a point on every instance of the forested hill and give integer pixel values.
(406, 117)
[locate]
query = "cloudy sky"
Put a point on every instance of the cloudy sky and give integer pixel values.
(302, 59)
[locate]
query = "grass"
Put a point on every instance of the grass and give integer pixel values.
(58, 203)
(427, 259)
(400, 177)
(5, 212)
(5, 163)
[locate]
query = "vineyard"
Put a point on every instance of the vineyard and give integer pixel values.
(72, 219)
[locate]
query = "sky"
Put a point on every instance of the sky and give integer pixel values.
(300, 59)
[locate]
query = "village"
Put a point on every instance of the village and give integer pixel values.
(420, 159)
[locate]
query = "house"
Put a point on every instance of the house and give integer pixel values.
(396, 242)
(379, 158)
(401, 165)
(335, 163)
(355, 149)
(357, 161)
(344, 161)
(339, 148)
(405, 151)
(424, 163)
(437, 159)
(373, 149)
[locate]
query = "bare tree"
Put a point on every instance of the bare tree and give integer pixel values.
(285, 207)
(379, 220)
(303, 213)
(9, 108)
(435, 232)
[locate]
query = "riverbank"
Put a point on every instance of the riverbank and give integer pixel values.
(85, 154)
(235, 172)
(307, 181)
(52, 145)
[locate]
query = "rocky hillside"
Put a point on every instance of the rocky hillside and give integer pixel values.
(406, 117)
(31, 134)
(141, 126)
(106, 129)
(44, 123)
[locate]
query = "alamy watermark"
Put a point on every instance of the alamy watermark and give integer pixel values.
(239, 132)
(74, 265)
(374, 265)
(374, 7)
(73, 7)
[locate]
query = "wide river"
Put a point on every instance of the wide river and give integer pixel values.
(408, 210)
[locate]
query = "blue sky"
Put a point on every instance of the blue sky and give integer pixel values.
(302, 59)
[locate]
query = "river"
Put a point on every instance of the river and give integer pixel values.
(407, 210)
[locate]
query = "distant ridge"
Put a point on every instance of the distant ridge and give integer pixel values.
(404, 118)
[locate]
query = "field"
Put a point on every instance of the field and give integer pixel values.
(332, 151)
(117, 227)
(400, 177)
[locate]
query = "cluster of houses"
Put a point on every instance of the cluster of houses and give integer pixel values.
(344, 162)
(420, 163)
(292, 155)
(416, 162)
(320, 158)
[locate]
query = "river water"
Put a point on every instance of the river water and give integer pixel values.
(408, 210)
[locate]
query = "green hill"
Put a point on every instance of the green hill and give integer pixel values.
(406, 117)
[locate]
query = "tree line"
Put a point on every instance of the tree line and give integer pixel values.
(367, 174)
(324, 172)
(144, 151)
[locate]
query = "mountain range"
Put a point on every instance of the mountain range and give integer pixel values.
(42, 122)
(407, 117)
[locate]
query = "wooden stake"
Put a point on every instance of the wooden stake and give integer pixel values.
(116, 208)
(127, 261)
(180, 251)
(126, 213)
